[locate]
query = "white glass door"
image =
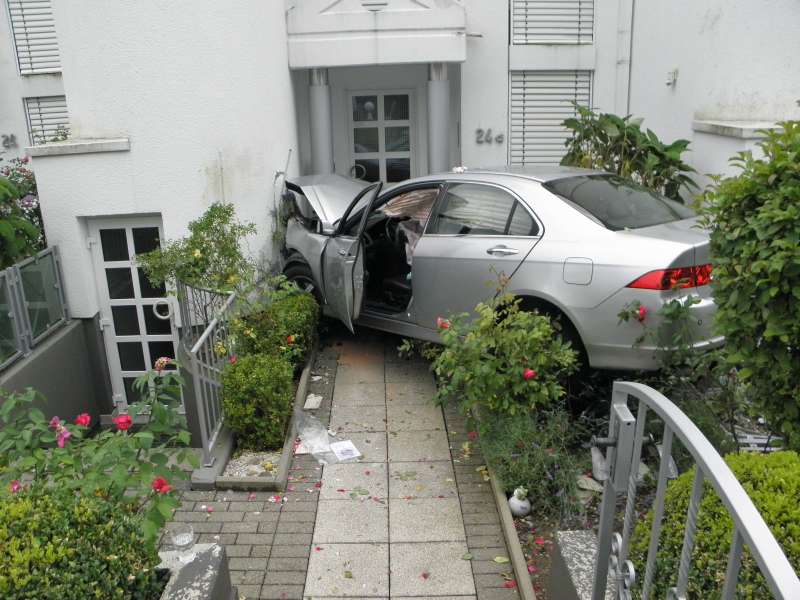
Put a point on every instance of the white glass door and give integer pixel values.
(381, 136)
(134, 335)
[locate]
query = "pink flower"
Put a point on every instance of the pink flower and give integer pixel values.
(531, 569)
(62, 437)
(473, 435)
(510, 585)
(123, 422)
(25, 160)
(55, 422)
(425, 575)
(161, 485)
(442, 323)
(539, 541)
(233, 359)
(162, 363)
(529, 374)
(83, 420)
(15, 486)
(641, 314)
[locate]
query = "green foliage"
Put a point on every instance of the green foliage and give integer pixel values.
(19, 236)
(532, 450)
(773, 483)
(617, 144)
(410, 348)
(210, 257)
(59, 545)
(283, 322)
(484, 361)
(116, 464)
(755, 241)
(257, 396)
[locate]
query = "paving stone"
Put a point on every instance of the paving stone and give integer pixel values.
(485, 541)
(401, 372)
(260, 550)
(495, 593)
(480, 567)
(350, 521)
(249, 592)
(476, 530)
(260, 516)
(198, 496)
(371, 444)
(359, 394)
(245, 506)
(289, 550)
(284, 577)
(292, 527)
(282, 592)
(294, 498)
(254, 538)
(447, 572)
(422, 480)
(413, 393)
(247, 577)
(247, 564)
(488, 553)
(217, 538)
(489, 580)
(476, 508)
(207, 527)
(298, 517)
(362, 373)
(237, 551)
(425, 520)
(288, 564)
(240, 527)
(267, 526)
(487, 517)
(367, 564)
(371, 477)
(365, 418)
(226, 517)
(414, 418)
(292, 538)
(418, 446)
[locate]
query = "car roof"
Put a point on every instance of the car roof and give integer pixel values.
(540, 173)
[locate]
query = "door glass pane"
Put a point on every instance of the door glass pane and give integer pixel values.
(398, 169)
(132, 396)
(114, 243)
(145, 239)
(367, 169)
(120, 283)
(148, 289)
(397, 139)
(395, 107)
(522, 222)
(365, 108)
(125, 320)
(153, 324)
(471, 209)
(131, 356)
(41, 294)
(159, 349)
(365, 139)
(8, 338)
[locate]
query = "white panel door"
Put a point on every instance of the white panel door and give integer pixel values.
(135, 336)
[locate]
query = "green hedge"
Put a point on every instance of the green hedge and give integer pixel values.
(772, 482)
(59, 546)
(257, 396)
(286, 326)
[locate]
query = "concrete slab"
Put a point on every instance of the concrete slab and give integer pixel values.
(371, 444)
(359, 394)
(351, 521)
(418, 446)
(360, 373)
(402, 372)
(363, 418)
(422, 480)
(425, 520)
(419, 417)
(360, 479)
(417, 392)
(350, 570)
(433, 569)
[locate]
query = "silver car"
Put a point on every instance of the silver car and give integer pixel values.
(575, 244)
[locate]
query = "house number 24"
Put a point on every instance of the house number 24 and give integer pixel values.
(485, 136)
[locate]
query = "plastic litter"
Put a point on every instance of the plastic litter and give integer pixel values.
(316, 440)
(313, 402)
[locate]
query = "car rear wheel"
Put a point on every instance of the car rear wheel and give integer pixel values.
(300, 274)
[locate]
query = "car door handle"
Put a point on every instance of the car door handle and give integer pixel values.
(502, 251)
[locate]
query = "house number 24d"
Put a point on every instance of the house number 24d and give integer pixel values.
(485, 136)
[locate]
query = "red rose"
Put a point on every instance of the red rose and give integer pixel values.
(290, 339)
(442, 323)
(161, 486)
(641, 314)
(123, 422)
(529, 374)
(473, 435)
(233, 359)
(83, 420)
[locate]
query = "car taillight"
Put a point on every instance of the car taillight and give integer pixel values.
(670, 279)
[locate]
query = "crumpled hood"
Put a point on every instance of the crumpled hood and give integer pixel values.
(329, 195)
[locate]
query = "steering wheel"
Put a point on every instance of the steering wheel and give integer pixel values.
(391, 229)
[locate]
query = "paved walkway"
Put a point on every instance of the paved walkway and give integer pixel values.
(413, 518)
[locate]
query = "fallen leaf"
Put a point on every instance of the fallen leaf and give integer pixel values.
(467, 556)
(501, 560)
(348, 574)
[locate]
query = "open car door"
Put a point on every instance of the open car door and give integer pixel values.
(343, 260)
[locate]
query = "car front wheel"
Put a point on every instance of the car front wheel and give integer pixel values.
(300, 274)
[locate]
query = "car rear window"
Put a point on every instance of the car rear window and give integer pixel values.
(618, 203)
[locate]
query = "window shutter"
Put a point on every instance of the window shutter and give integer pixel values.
(34, 31)
(552, 21)
(47, 118)
(540, 101)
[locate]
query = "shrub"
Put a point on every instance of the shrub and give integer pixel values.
(531, 450)
(773, 483)
(19, 236)
(210, 257)
(60, 545)
(506, 360)
(257, 400)
(286, 325)
(618, 145)
(755, 241)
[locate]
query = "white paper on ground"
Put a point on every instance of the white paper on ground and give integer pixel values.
(345, 450)
(312, 402)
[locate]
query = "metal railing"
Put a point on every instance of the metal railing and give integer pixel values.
(32, 304)
(206, 337)
(620, 471)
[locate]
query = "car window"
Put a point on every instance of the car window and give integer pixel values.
(522, 222)
(473, 209)
(618, 203)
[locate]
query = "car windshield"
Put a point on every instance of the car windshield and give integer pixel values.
(618, 203)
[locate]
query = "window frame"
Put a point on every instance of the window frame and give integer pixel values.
(516, 197)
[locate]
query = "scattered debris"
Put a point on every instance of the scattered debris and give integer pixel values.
(313, 402)
(590, 485)
(253, 464)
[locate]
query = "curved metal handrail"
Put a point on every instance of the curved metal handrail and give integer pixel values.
(623, 457)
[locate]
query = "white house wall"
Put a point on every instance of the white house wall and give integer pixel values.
(203, 91)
